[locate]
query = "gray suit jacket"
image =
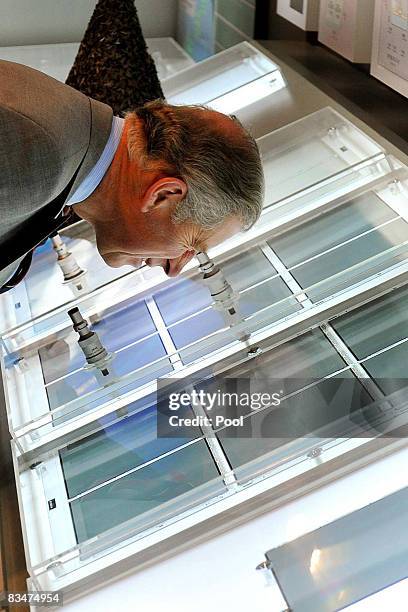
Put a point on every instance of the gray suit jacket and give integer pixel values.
(45, 129)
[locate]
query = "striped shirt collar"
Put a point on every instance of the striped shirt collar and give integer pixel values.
(92, 180)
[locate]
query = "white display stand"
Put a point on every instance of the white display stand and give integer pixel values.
(56, 59)
(346, 27)
(389, 61)
(302, 13)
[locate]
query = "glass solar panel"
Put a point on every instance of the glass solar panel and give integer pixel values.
(380, 323)
(90, 445)
(347, 560)
(176, 324)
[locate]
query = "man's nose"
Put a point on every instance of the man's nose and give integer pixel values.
(176, 265)
(172, 267)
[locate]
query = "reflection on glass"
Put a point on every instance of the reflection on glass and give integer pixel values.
(331, 229)
(346, 560)
(311, 356)
(142, 490)
(187, 296)
(83, 381)
(217, 76)
(320, 254)
(311, 150)
(248, 94)
(116, 328)
(116, 448)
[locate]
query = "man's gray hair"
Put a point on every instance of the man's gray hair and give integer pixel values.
(221, 168)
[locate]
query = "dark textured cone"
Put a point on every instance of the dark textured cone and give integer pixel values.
(113, 64)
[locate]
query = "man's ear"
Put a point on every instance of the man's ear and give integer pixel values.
(163, 192)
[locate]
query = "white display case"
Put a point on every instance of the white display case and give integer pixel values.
(56, 60)
(227, 82)
(302, 13)
(320, 285)
(321, 281)
(346, 27)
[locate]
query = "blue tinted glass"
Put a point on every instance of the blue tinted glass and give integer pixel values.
(344, 222)
(376, 325)
(124, 362)
(182, 299)
(142, 490)
(115, 330)
(116, 448)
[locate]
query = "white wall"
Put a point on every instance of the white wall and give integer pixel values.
(220, 574)
(31, 22)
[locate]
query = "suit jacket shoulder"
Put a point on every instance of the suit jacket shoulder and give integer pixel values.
(45, 128)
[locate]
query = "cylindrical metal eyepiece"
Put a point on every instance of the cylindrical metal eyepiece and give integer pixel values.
(65, 259)
(95, 353)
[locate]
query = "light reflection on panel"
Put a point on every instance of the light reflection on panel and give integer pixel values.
(309, 151)
(251, 301)
(142, 490)
(116, 329)
(187, 296)
(78, 383)
(283, 177)
(346, 560)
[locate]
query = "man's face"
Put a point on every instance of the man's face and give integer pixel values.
(153, 238)
(137, 225)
